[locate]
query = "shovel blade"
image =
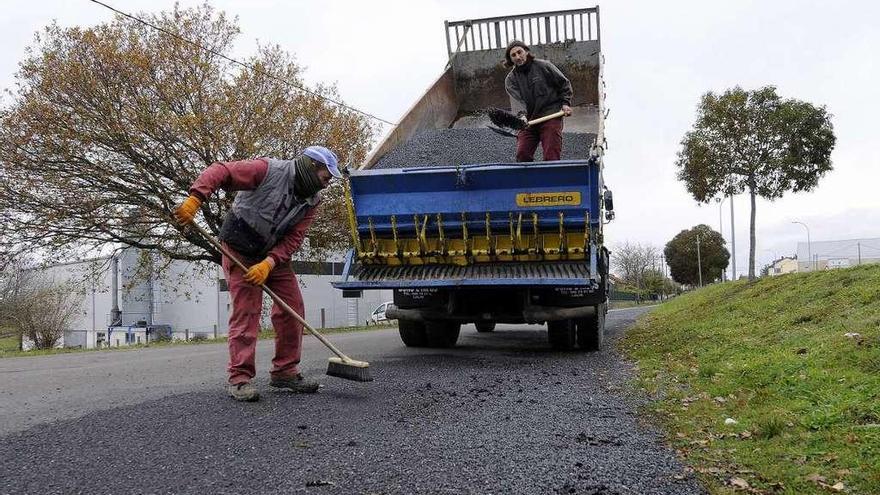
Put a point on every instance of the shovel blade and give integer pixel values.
(503, 132)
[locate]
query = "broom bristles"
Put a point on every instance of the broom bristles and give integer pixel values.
(504, 118)
(358, 371)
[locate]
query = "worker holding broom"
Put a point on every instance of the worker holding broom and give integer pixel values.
(276, 203)
(538, 88)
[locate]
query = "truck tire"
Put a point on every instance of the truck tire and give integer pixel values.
(412, 333)
(485, 326)
(591, 331)
(442, 334)
(561, 334)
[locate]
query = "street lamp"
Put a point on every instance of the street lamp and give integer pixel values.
(699, 263)
(720, 202)
(773, 261)
(732, 239)
(809, 245)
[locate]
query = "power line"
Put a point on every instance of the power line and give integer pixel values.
(238, 62)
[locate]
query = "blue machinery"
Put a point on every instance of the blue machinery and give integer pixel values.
(475, 225)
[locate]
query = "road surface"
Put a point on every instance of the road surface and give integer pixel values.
(500, 413)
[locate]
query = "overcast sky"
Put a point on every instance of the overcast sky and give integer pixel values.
(660, 57)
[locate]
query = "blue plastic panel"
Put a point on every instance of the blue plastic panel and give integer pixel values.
(474, 190)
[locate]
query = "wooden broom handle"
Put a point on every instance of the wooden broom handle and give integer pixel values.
(274, 296)
(547, 117)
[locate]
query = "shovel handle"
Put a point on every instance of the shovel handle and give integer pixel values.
(274, 296)
(546, 118)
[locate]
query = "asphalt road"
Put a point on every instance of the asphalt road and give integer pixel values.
(501, 413)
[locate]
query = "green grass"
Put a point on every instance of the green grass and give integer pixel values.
(630, 304)
(773, 356)
(8, 344)
(10, 349)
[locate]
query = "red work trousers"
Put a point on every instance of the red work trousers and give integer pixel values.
(549, 134)
(244, 322)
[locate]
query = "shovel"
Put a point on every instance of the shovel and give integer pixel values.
(508, 122)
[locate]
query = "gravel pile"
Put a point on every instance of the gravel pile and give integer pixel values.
(465, 146)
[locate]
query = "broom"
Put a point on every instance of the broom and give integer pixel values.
(340, 366)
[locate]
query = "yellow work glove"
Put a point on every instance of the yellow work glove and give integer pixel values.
(258, 273)
(187, 210)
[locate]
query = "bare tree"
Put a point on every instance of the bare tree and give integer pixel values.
(632, 262)
(109, 126)
(36, 307)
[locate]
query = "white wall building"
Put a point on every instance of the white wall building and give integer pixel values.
(783, 265)
(187, 299)
(828, 255)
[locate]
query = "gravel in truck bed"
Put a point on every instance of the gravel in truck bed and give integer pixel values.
(465, 146)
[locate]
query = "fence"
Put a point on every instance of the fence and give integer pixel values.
(533, 29)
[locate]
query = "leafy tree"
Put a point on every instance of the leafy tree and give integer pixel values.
(755, 141)
(653, 282)
(681, 255)
(109, 126)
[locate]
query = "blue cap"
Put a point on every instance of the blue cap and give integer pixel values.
(325, 156)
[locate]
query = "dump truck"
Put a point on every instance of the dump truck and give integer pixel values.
(441, 212)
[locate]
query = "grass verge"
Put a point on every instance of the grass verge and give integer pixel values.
(630, 304)
(8, 344)
(794, 363)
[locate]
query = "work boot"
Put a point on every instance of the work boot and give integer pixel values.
(297, 384)
(243, 392)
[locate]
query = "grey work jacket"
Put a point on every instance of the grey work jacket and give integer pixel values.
(262, 217)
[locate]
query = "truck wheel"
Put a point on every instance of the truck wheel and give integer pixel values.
(485, 326)
(561, 334)
(412, 333)
(442, 334)
(591, 331)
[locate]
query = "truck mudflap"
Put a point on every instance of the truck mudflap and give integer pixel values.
(507, 274)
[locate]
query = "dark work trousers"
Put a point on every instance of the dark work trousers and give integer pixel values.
(244, 322)
(549, 134)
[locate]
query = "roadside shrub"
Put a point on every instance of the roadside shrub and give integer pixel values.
(770, 427)
(707, 371)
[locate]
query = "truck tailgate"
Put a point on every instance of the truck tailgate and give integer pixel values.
(563, 273)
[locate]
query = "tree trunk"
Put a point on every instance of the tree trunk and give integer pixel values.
(752, 235)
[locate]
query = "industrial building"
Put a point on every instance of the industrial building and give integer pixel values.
(828, 255)
(125, 304)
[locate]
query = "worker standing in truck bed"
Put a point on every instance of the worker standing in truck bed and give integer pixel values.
(539, 88)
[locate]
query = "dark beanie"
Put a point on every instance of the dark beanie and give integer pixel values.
(513, 44)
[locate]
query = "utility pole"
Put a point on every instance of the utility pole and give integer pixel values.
(663, 284)
(860, 253)
(809, 247)
(720, 202)
(699, 263)
(732, 239)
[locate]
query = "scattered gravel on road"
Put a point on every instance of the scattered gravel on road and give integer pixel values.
(502, 413)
